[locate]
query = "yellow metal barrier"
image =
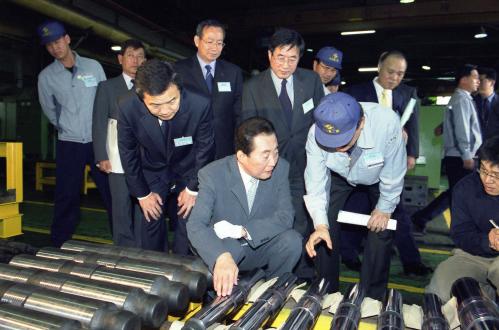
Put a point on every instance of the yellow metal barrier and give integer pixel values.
(41, 179)
(10, 218)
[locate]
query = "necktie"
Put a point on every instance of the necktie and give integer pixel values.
(384, 98)
(132, 83)
(209, 78)
(251, 192)
(287, 108)
(165, 126)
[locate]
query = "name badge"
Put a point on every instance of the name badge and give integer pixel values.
(224, 86)
(182, 141)
(89, 80)
(373, 159)
(307, 106)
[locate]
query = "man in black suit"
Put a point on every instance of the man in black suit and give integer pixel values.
(486, 99)
(388, 90)
(223, 84)
(165, 135)
(105, 139)
(286, 96)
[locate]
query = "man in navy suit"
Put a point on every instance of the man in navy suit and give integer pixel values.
(286, 96)
(165, 135)
(388, 90)
(486, 99)
(223, 84)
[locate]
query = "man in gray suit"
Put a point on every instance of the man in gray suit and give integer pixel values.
(243, 215)
(105, 143)
(286, 96)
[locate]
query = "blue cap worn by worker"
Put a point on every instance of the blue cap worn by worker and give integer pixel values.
(50, 31)
(336, 119)
(330, 56)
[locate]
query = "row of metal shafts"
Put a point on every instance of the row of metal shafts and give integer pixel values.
(96, 286)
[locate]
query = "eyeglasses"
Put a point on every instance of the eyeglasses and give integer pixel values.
(213, 43)
(283, 59)
(486, 173)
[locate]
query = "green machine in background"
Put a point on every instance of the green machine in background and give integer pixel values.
(430, 146)
(426, 174)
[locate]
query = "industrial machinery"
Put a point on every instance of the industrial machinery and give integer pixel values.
(304, 315)
(19, 318)
(12, 195)
(347, 315)
(433, 318)
(391, 317)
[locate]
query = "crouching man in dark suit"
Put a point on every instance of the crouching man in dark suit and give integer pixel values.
(243, 217)
(165, 135)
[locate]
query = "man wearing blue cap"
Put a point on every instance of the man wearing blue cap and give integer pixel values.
(346, 151)
(66, 90)
(327, 64)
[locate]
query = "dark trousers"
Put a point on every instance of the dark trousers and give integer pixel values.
(303, 225)
(376, 262)
(353, 235)
(123, 213)
(455, 171)
(71, 158)
(178, 225)
(436, 207)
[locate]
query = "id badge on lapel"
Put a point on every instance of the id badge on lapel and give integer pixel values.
(373, 159)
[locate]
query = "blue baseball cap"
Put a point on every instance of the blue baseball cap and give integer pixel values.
(330, 56)
(50, 31)
(336, 118)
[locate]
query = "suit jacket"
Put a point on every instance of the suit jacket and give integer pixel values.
(260, 99)
(484, 126)
(493, 124)
(401, 96)
(152, 162)
(105, 107)
(226, 106)
(222, 196)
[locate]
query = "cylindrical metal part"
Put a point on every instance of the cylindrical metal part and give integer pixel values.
(433, 318)
(391, 317)
(176, 294)
(304, 315)
(221, 307)
(264, 310)
(92, 313)
(191, 263)
(347, 315)
(195, 281)
(474, 310)
(151, 309)
(19, 318)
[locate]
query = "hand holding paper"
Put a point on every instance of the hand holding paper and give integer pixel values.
(225, 229)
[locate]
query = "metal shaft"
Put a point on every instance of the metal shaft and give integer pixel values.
(151, 309)
(304, 315)
(391, 317)
(267, 306)
(433, 318)
(175, 294)
(474, 310)
(221, 307)
(347, 316)
(194, 264)
(92, 313)
(195, 281)
(19, 318)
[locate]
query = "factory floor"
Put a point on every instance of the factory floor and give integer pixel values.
(37, 208)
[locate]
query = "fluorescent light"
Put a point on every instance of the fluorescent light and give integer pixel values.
(426, 67)
(343, 82)
(368, 69)
(481, 34)
(310, 50)
(350, 33)
(407, 1)
(446, 78)
(116, 48)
